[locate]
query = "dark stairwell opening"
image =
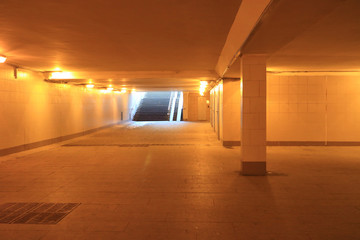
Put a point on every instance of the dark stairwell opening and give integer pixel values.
(160, 106)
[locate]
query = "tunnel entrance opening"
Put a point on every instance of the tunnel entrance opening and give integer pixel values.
(160, 106)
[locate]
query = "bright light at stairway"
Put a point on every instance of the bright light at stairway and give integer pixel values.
(2, 59)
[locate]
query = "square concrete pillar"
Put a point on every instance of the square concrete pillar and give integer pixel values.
(253, 114)
(231, 109)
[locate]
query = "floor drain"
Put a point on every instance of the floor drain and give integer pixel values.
(35, 213)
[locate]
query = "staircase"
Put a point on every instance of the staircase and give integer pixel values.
(153, 107)
(177, 100)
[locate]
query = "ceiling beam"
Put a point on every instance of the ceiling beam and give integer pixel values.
(247, 17)
(284, 21)
(118, 75)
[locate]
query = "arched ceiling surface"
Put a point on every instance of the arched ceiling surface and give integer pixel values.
(96, 36)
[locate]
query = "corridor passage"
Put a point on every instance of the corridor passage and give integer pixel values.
(162, 180)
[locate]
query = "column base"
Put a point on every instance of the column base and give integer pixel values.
(253, 168)
(231, 143)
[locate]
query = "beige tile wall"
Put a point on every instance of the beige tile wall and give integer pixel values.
(191, 106)
(216, 108)
(313, 108)
(343, 108)
(220, 96)
(253, 125)
(231, 110)
(32, 110)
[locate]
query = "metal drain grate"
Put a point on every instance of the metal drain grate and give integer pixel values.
(35, 213)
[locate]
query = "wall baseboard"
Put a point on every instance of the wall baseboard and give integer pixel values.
(24, 147)
(311, 143)
(297, 143)
(230, 143)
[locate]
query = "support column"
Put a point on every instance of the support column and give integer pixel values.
(231, 112)
(253, 114)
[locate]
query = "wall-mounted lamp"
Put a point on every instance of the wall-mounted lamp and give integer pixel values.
(61, 75)
(110, 88)
(202, 89)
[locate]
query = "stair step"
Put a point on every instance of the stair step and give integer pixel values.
(153, 107)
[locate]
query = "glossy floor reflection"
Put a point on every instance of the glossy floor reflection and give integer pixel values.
(175, 181)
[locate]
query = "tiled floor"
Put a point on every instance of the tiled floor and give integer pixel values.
(183, 185)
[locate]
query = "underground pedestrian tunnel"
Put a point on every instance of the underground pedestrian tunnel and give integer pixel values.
(203, 119)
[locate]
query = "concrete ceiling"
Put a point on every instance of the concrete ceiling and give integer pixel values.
(307, 35)
(331, 44)
(118, 38)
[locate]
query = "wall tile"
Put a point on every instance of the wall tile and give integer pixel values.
(33, 110)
